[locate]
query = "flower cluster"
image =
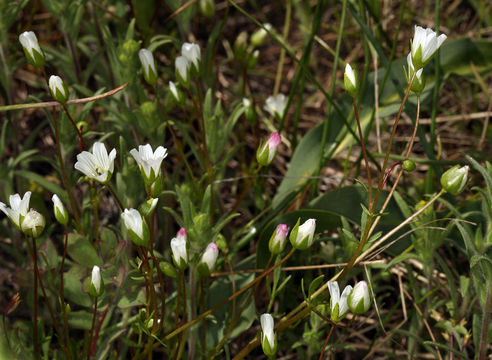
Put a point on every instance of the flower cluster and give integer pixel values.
(355, 299)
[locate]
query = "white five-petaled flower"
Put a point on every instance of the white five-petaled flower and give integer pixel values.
(61, 214)
(191, 52)
(338, 304)
(18, 208)
(178, 248)
(210, 255)
(302, 237)
(276, 105)
(58, 88)
(137, 228)
(425, 43)
(149, 161)
(33, 51)
(148, 65)
(97, 165)
(359, 299)
(268, 339)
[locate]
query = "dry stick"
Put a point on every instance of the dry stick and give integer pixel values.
(301, 310)
(233, 296)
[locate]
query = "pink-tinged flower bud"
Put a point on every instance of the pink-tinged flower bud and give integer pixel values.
(33, 223)
(277, 241)
(267, 151)
(178, 248)
(209, 257)
(302, 237)
(268, 337)
(359, 300)
(96, 286)
(454, 180)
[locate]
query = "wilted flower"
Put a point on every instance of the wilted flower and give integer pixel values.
(266, 152)
(268, 338)
(58, 89)
(96, 286)
(33, 52)
(178, 248)
(61, 214)
(18, 208)
(359, 299)
(338, 304)
(33, 223)
(425, 43)
(182, 65)
(454, 180)
(149, 161)
(192, 53)
(97, 165)
(276, 105)
(277, 241)
(209, 257)
(302, 237)
(148, 65)
(350, 80)
(136, 226)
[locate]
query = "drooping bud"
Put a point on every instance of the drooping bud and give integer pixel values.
(266, 152)
(61, 214)
(58, 89)
(33, 223)
(359, 300)
(277, 240)
(301, 237)
(454, 180)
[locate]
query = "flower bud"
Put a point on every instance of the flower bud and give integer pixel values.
(359, 300)
(408, 165)
(96, 286)
(338, 304)
(267, 151)
(148, 65)
(183, 71)
(58, 90)
(258, 38)
(192, 53)
(302, 237)
(207, 7)
(454, 180)
(33, 224)
(268, 337)
(249, 111)
(136, 227)
(277, 240)
(350, 81)
(253, 59)
(61, 214)
(147, 208)
(241, 45)
(178, 248)
(34, 53)
(209, 257)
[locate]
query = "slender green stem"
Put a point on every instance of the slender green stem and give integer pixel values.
(482, 352)
(62, 294)
(245, 190)
(115, 195)
(95, 215)
(285, 34)
(94, 315)
(82, 144)
(362, 144)
(35, 301)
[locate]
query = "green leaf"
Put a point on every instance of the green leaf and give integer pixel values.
(80, 320)
(81, 250)
(315, 285)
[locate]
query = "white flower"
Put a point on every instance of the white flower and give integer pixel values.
(428, 43)
(182, 69)
(137, 229)
(97, 165)
(246, 102)
(268, 340)
(33, 223)
(276, 105)
(58, 89)
(149, 161)
(191, 52)
(338, 304)
(302, 237)
(209, 257)
(178, 248)
(18, 208)
(31, 47)
(148, 65)
(359, 299)
(61, 214)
